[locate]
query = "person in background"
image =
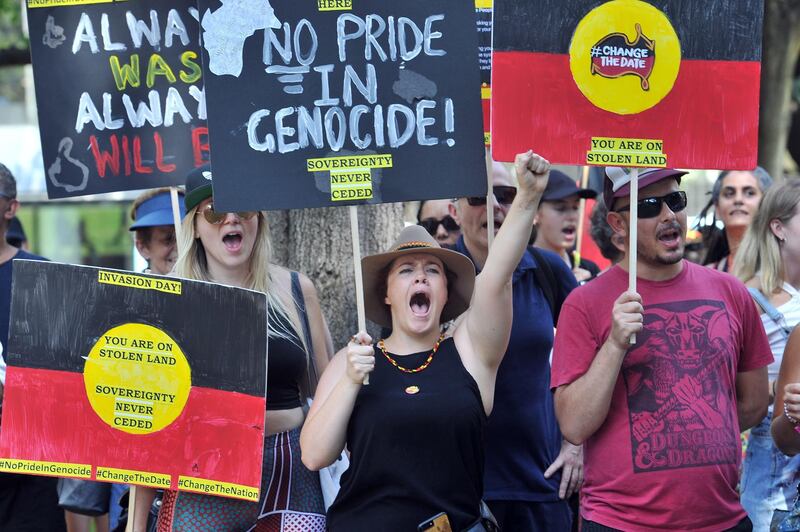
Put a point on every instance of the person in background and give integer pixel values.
(557, 222)
(27, 502)
(611, 245)
(530, 475)
(234, 249)
(785, 427)
(768, 262)
(434, 216)
(661, 414)
(735, 198)
(155, 229)
(415, 434)
(16, 235)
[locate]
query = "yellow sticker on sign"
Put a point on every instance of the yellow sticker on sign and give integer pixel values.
(211, 487)
(334, 5)
(609, 151)
(34, 467)
(137, 378)
(139, 281)
(62, 3)
(128, 476)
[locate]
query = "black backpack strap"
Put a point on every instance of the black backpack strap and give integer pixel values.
(546, 280)
(300, 303)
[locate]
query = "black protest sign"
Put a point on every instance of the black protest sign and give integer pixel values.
(119, 92)
(317, 103)
(132, 378)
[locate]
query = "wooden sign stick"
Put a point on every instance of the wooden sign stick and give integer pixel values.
(576, 255)
(362, 320)
(176, 213)
(489, 202)
(633, 237)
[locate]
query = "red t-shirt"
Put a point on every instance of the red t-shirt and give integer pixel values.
(667, 456)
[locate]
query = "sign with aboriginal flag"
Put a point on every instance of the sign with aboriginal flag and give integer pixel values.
(319, 103)
(119, 93)
(138, 379)
(652, 83)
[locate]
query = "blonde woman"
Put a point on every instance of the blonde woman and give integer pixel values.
(234, 249)
(768, 261)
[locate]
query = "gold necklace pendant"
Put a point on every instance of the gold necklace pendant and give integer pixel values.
(412, 390)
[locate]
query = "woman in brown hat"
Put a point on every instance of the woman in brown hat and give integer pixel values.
(415, 433)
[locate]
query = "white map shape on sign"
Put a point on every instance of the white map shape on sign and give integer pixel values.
(226, 29)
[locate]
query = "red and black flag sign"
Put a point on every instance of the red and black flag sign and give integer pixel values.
(138, 379)
(628, 82)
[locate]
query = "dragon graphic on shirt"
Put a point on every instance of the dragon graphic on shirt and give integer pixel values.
(680, 390)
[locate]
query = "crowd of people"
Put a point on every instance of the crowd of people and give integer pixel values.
(516, 387)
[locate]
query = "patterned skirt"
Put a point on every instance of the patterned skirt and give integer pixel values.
(291, 498)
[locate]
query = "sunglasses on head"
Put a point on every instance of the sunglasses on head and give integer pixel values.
(431, 225)
(503, 194)
(651, 207)
(215, 218)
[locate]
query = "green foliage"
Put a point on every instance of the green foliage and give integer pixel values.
(11, 35)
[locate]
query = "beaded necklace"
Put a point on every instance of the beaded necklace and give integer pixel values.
(424, 365)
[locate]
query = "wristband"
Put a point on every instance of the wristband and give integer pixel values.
(789, 417)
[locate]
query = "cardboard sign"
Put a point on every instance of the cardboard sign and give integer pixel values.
(119, 93)
(138, 379)
(316, 103)
(483, 13)
(627, 82)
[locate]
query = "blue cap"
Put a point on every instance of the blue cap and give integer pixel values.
(157, 211)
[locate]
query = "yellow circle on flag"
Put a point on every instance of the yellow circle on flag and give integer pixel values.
(137, 378)
(625, 56)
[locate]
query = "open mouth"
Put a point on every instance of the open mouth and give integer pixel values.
(669, 236)
(420, 304)
(497, 223)
(232, 241)
(569, 231)
(739, 212)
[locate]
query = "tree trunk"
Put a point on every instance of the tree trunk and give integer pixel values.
(780, 53)
(317, 242)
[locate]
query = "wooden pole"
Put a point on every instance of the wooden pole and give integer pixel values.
(489, 202)
(176, 213)
(632, 243)
(354, 236)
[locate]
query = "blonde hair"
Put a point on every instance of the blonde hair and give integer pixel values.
(192, 264)
(760, 251)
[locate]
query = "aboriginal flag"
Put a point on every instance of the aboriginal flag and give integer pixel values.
(682, 72)
(133, 378)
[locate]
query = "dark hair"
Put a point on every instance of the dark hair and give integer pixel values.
(601, 232)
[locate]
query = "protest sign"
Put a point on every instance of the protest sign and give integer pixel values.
(119, 93)
(317, 103)
(139, 379)
(483, 13)
(628, 83)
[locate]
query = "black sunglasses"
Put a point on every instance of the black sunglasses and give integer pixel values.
(503, 194)
(651, 207)
(431, 225)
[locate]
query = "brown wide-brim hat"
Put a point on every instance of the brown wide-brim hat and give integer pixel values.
(415, 239)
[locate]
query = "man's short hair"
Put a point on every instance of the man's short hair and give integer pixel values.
(8, 185)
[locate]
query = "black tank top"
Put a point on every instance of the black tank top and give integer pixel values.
(287, 364)
(413, 455)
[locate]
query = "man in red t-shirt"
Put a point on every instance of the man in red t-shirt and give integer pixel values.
(660, 419)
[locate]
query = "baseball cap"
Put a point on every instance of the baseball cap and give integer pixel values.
(8, 185)
(157, 211)
(198, 186)
(560, 186)
(618, 181)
